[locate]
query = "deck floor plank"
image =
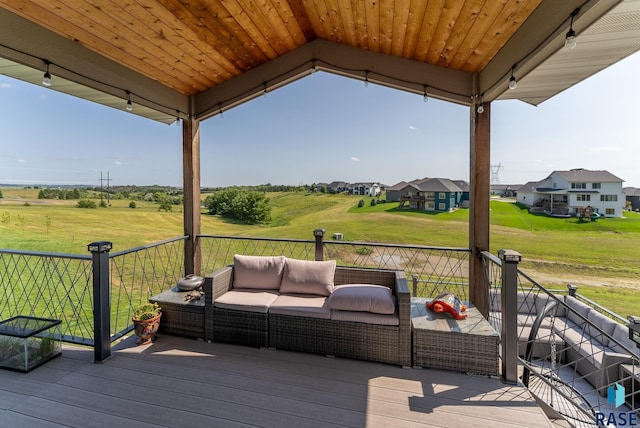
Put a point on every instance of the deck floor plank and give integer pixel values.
(181, 382)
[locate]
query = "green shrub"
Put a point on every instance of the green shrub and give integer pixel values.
(165, 206)
(373, 202)
(86, 203)
(361, 203)
(249, 207)
(132, 204)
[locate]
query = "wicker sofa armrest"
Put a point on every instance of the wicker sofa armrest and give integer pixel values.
(215, 285)
(403, 296)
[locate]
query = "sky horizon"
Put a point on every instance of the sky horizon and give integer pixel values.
(323, 128)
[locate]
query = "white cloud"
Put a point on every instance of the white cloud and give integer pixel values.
(413, 128)
(604, 149)
(22, 161)
(355, 159)
(6, 86)
(118, 162)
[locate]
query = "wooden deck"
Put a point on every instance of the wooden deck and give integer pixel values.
(179, 382)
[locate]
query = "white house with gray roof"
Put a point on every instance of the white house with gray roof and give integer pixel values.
(564, 193)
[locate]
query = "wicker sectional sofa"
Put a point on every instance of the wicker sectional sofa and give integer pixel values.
(310, 306)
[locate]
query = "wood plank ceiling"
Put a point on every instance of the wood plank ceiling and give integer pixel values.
(194, 45)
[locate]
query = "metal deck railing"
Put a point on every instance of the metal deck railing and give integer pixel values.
(573, 355)
(60, 286)
(432, 270)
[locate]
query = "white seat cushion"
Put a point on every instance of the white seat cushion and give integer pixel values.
(304, 305)
(247, 300)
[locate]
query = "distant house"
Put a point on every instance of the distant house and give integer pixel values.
(429, 194)
(441, 194)
(320, 186)
(337, 187)
(505, 190)
(375, 190)
(394, 192)
(368, 189)
(404, 191)
(464, 198)
(632, 196)
(564, 193)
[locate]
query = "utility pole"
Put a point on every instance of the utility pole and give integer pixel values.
(102, 180)
(495, 171)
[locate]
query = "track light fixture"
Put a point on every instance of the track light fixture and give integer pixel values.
(513, 83)
(425, 97)
(177, 118)
(129, 103)
(366, 79)
(46, 79)
(314, 67)
(570, 40)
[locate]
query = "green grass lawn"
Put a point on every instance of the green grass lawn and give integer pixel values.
(607, 248)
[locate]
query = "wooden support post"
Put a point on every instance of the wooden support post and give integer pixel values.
(479, 204)
(191, 201)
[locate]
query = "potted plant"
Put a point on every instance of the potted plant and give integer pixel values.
(146, 320)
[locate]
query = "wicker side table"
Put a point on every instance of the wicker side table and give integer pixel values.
(442, 342)
(180, 316)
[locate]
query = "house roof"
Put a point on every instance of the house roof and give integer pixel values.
(199, 58)
(398, 186)
(439, 185)
(463, 185)
(588, 176)
(631, 191)
(402, 185)
(531, 186)
(419, 180)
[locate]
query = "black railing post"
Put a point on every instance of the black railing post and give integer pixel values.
(572, 289)
(319, 234)
(101, 302)
(509, 305)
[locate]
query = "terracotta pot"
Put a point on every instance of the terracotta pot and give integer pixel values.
(146, 329)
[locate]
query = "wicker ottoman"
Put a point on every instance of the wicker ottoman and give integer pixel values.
(179, 316)
(442, 342)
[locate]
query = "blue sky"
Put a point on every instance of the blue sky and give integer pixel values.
(320, 129)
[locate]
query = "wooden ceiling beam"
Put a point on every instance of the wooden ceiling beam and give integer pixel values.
(398, 73)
